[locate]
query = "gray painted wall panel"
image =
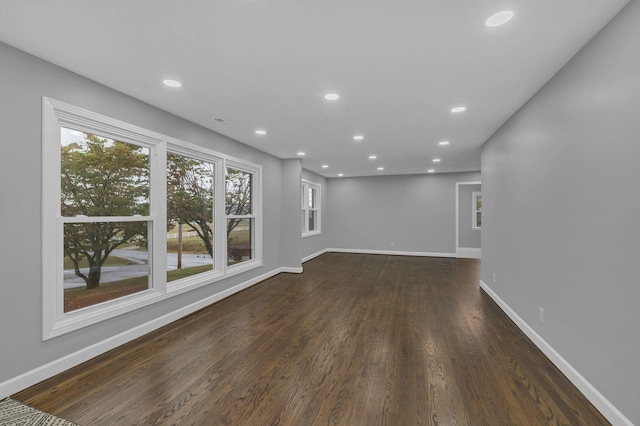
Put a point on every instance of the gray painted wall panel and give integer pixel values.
(290, 213)
(414, 213)
(560, 193)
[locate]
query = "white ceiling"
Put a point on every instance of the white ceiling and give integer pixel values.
(398, 66)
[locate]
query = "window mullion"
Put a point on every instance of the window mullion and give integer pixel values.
(158, 208)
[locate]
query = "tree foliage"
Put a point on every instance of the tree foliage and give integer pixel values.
(190, 196)
(101, 177)
(237, 196)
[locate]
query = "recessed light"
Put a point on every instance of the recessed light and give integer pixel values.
(325, 166)
(499, 18)
(380, 168)
(430, 171)
(331, 96)
(358, 137)
(373, 157)
(172, 83)
(436, 160)
(261, 132)
(443, 143)
(459, 109)
(340, 174)
(301, 154)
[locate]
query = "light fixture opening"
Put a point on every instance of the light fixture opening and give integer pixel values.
(373, 157)
(443, 143)
(436, 160)
(459, 109)
(325, 166)
(260, 132)
(171, 83)
(358, 137)
(301, 154)
(499, 18)
(331, 96)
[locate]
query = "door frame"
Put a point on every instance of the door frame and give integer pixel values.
(466, 252)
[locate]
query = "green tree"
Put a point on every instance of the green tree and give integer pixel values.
(190, 196)
(101, 177)
(237, 196)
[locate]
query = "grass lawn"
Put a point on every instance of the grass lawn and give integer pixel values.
(76, 298)
(111, 261)
(192, 245)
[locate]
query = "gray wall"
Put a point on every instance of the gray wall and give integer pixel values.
(412, 213)
(467, 236)
(316, 243)
(561, 202)
(25, 80)
(290, 213)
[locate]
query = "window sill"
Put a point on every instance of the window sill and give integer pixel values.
(311, 234)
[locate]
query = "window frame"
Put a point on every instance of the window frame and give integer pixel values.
(255, 216)
(56, 114)
(475, 210)
(305, 186)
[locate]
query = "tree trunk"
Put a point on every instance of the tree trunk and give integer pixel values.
(180, 246)
(93, 280)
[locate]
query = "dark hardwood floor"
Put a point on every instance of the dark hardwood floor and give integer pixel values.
(354, 340)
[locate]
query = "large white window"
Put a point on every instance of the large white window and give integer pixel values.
(310, 203)
(131, 217)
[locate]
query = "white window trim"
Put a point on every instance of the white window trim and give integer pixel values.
(256, 215)
(56, 114)
(306, 184)
(474, 209)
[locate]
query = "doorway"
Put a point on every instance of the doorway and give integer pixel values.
(468, 219)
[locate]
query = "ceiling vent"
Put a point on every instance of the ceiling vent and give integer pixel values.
(222, 121)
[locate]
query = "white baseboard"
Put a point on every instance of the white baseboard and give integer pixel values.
(468, 253)
(389, 252)
(291, 269)
(30, 378)
(607, 409)
(314, 255)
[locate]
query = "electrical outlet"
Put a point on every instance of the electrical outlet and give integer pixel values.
(541, 314)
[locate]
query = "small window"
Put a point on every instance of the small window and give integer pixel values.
(190, 224)
(310, 198)
(477, 210)
(241, 217)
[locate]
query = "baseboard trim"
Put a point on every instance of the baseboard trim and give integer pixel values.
(607, 409)
(291, 269)
(468, 253)
(389, 252)
(314, 255)
(32, 377)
